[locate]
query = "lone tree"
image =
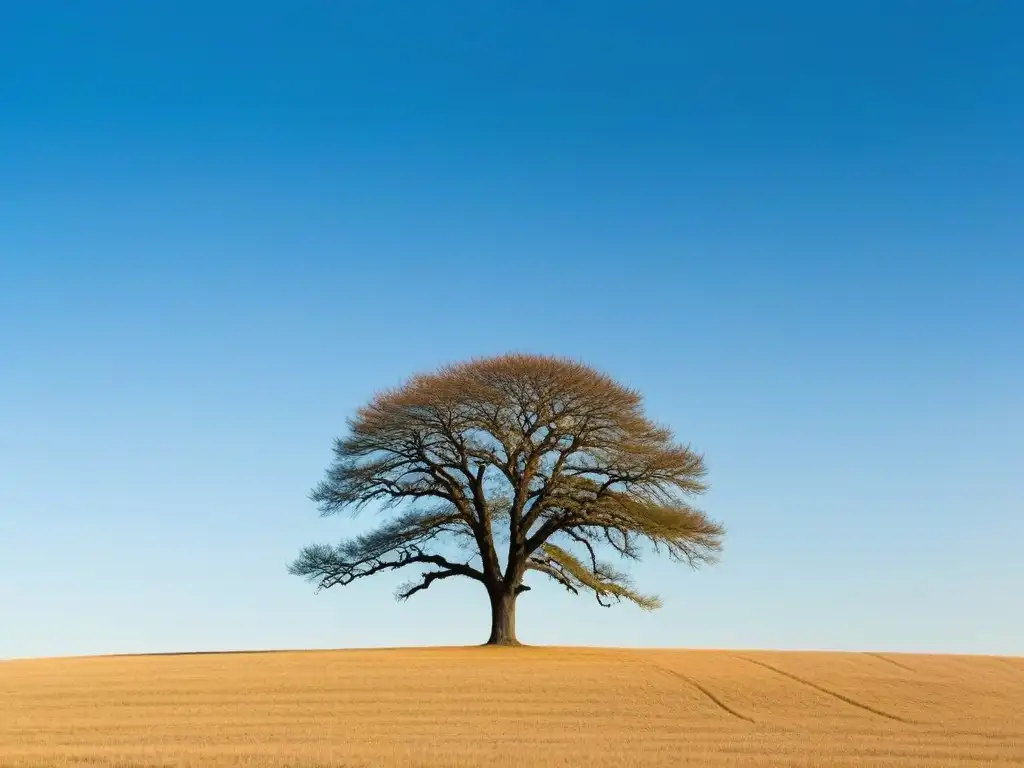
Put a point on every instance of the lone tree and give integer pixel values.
(507, 465)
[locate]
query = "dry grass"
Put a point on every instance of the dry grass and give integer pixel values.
(518, 707)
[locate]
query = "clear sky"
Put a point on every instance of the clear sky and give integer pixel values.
(797, 227)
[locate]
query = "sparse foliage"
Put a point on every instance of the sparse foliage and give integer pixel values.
(521, 463)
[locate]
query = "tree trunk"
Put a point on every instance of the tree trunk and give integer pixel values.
(503, 618)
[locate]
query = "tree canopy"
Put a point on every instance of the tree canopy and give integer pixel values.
(493, 468)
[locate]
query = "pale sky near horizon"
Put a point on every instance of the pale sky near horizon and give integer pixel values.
(797, 227)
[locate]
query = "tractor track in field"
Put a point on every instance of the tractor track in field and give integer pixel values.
(707, 693)
(886, 659)
(834, 694)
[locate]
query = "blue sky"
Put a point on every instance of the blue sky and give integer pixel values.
(797, 227)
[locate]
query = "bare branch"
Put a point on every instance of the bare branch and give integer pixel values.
(395, 545)
(409, 589)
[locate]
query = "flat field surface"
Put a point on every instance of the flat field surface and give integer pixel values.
(542, 707)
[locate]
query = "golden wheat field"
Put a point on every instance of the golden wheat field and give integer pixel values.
(542, 707)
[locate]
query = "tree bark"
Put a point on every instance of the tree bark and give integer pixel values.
(503, 618)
